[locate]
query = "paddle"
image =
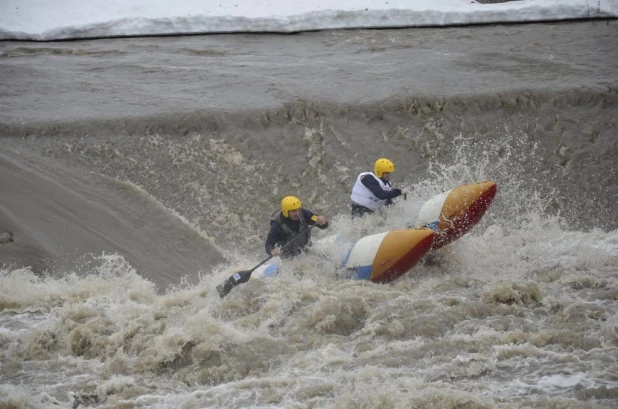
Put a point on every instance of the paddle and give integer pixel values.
(243, 276)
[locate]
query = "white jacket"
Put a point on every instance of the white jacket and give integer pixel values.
(364, 197)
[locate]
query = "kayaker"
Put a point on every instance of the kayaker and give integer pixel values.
(287, 223)
(373, 190)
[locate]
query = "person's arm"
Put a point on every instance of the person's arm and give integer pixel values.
(275, 235)
(377, 190)
(313, 219)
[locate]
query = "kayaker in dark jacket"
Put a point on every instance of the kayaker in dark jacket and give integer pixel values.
(287, 223)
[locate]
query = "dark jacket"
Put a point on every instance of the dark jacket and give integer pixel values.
(282, 229)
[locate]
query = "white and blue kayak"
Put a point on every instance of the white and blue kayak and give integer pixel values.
(379, 257)
(384, 257)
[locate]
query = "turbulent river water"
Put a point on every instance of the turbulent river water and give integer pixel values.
(137, 174)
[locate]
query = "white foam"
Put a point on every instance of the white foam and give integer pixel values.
(71, 19)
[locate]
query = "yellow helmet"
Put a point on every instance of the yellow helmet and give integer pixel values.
(290, 203)
(383, 165)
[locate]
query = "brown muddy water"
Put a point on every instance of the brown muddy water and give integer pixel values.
(136, 174)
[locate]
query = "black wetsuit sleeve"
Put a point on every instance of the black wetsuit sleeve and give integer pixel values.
(377, 190)
(308, 214)
(276, 235)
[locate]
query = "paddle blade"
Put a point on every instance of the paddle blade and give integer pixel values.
(239, 278)
(224, 288)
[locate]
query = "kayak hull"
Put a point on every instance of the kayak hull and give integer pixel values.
(384, 257)
(452, 214)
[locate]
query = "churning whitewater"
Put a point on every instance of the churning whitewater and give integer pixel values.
(125, 212)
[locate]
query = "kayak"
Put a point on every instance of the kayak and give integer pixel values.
(384, 257)
(452, 214)
(379, 258)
